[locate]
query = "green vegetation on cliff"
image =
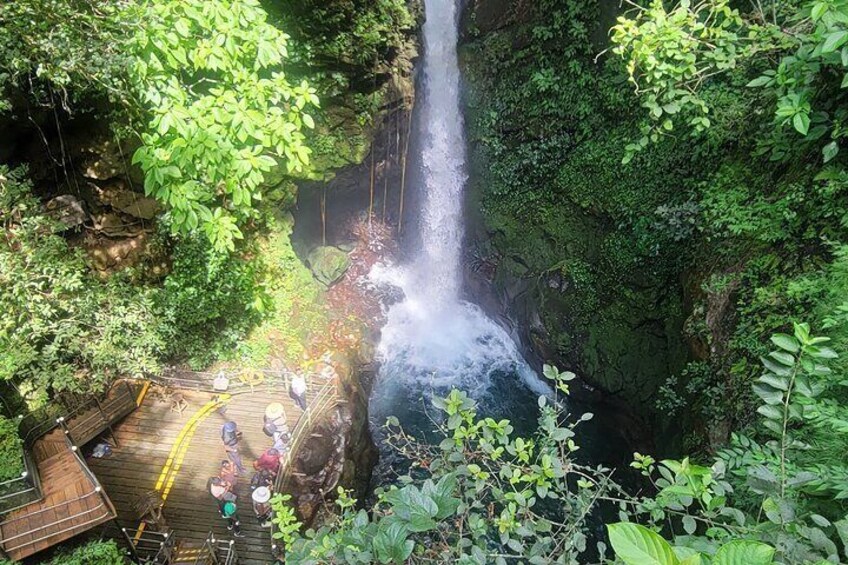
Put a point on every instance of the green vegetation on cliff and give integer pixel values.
(690, 227)
(216, 103)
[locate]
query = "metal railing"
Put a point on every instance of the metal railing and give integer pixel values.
(151, 548)
(244, 380)
(162, 548)
(26, 489)
(326, 400)
(103, 510)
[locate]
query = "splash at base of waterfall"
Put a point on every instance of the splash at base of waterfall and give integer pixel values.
(457, 347)
(428, 348)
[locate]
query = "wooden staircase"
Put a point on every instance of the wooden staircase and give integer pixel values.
(72, 500)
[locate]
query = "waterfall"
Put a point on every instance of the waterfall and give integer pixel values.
(433, 340)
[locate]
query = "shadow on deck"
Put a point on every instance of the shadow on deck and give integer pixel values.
(175, 452)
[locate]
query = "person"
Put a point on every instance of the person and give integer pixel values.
(228, 473)
(297, 391)
(230, 436)
(220, 492)
(274, 421)
(262, 505)
(268, 461)
(230, 513)
(281, 443)
(261, 478)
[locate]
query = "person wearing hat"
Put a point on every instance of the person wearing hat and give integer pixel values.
(262, 505)
(230, 513)
(274, 425)
(230, 436)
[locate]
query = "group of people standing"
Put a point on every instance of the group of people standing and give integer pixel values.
(223, 486)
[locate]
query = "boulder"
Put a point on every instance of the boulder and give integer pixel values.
(68, 210)
(134, 204)
(328, 264)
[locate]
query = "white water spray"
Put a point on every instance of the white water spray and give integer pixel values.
(432, 339)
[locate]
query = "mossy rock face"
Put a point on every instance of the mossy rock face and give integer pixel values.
(328, 264)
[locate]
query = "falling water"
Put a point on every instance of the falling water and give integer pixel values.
(433, 340)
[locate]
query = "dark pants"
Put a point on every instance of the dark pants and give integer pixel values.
(300, 400)
(235, 459)
(234, 524)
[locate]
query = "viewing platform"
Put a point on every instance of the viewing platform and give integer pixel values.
(172, 445)
(58, 497)
(166, 444)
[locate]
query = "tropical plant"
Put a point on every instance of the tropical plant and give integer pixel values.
(65, 53)
(222, 112)
(480, 496)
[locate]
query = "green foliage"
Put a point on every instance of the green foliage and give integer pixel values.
(669, 54)
(223, 114)
(74, 48)
(481, 496)
(285, 520)
(780, 499)
(354, 35)
(289, 300)
(91, 553)
(208, 301)
(11, 450)
(62, 328)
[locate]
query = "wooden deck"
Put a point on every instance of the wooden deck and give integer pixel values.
(70, 505)
(175, 454)
(72, 501)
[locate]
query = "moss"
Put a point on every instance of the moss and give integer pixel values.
(292, 300)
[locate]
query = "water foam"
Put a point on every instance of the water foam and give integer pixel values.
(432, 340)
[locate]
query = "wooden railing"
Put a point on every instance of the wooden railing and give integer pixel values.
(324, 402)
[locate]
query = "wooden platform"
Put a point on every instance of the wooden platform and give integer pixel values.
(71, 504)
(176, 453)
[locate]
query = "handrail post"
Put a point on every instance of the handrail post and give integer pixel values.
(131, 543)
(67, 431)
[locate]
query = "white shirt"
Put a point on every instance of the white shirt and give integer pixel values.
(298, 385)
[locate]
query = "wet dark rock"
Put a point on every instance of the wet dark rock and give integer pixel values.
(328, 264)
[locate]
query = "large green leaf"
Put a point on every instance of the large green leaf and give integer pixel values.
(834, 41)
(637, 545)
(390, 544)
(786, 342)
(744, 552)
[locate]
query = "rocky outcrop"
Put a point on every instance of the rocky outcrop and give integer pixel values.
(340, 451)
(618, 327)
(328, 264)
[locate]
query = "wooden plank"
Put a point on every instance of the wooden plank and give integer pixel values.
(146, 438)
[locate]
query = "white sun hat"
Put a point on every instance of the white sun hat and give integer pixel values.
(261, 495)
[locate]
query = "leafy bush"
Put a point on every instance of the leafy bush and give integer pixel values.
(208, 301)
(208, 151)
(63, 51)
(481, 495)
(91, 553)
(11, 450)
(62, 328)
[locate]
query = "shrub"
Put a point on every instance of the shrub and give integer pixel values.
(11, 450)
